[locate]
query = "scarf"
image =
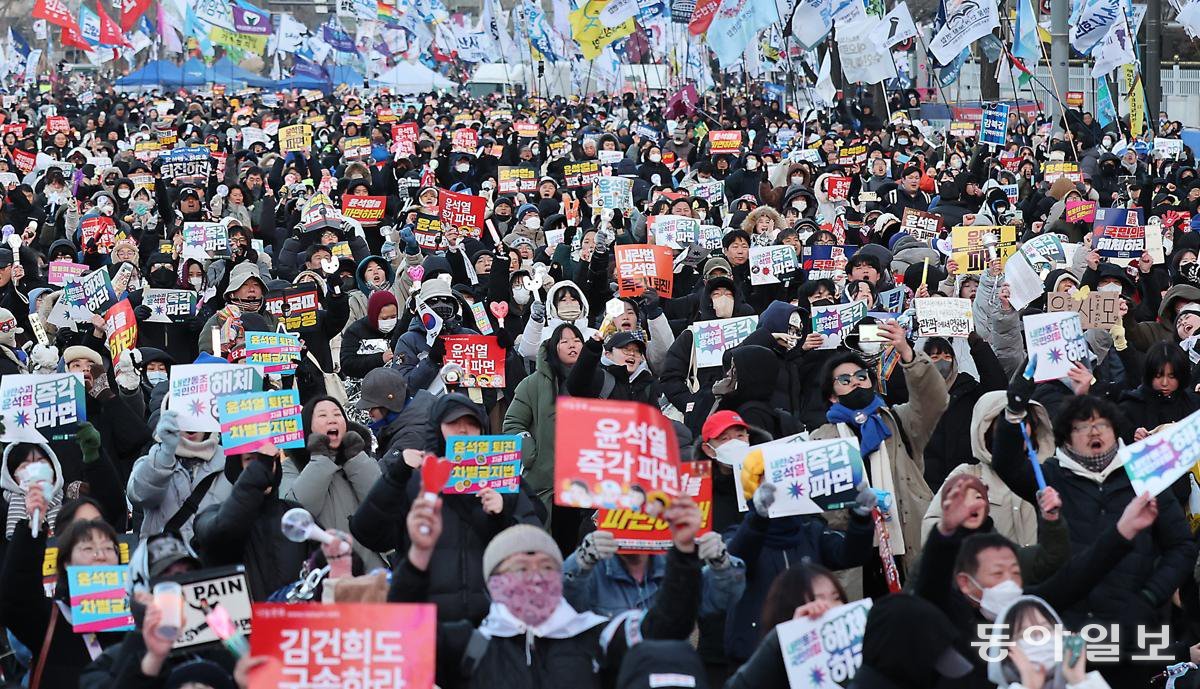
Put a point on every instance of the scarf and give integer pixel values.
(197, 449)
(1093, 463)
(872, 430)
(378, 426)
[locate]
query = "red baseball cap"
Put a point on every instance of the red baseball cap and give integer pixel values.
(719, 423)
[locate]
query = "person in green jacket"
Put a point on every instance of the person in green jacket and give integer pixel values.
(531, 415)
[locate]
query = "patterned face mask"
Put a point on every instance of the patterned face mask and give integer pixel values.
(530, 596)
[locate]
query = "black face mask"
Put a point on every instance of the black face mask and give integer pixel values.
(858, 398)
(162, 278)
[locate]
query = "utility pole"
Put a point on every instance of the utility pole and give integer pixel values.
(1060, 51)
(1152, 67)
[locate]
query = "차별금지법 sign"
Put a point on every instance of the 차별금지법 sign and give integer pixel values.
(99, 602)
(483, 462)
(277, 353)
(250, 419)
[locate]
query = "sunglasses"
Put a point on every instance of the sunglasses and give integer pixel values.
(859, 375)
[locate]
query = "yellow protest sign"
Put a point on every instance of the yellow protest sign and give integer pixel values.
(590, 33)
(233, 39)
(297, 137)
(974, 245)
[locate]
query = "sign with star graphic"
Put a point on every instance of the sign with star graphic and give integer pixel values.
(1158, 460)
(810, 476)
(1056, 341)
(826, 652)
(195, 388)
(169, 305)
(711, 339)
(39, 408)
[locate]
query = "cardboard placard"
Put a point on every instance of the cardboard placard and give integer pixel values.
(810, 476)
(301, 307)
(1157, 461)
(169, 305)
(194, 389)
(296, 137)
(219, 587)
(770, 265)
(825, 652)
(511, 179)
(921, 224)
(641, 531)
(1097, 310)
(969, 246)
(836, 320)
(944, 317)
(463, 212)
(98, 599)
(1056, 340)
(368, 210)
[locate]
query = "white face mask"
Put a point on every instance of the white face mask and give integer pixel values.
(462, 167)
(1110, 287)
(156, 377)
(386, 325)
(732, 451)
(654, 157)
(1040, 653)
(196, 282)
(800, 205)
(797, 179)
(533, 222)
(521, 295)
(752, 164)
(123, 193)
(996, 598)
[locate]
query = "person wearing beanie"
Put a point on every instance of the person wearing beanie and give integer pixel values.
(368, 342)
(531, 635)
(416, 358)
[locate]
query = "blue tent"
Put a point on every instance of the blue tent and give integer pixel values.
(195, 73)
(224, 71)
(344, 74)
(156, 73)
(301, 82)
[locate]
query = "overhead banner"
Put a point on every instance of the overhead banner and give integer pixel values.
(865, 58)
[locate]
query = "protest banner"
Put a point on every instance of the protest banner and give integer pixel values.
(344, 645)
(1080, 211)
(1168, 148)
(826, 652)
(963, 129)
(826, 260)
(404, 139)
(183, 163)
(1096, 310)
(711, 339)
(1056, 341)
(1051, 171)
(769, 265)
(920, 224)
(483, 461)
(644, 531)
(1114, 241)
(675, 231)
(581, 175)
(250, 419)
(126, 543)
(613, 454)
(836, 320)
(98, 599)
(891, 300)
(463, 212)
(296, 137)
(90, 294)
(464, 140)
(98, 233)
(970, 246)
(60, 271)
(205, 240)
(1158, 460)
(612, 192)
(944, 317)
(368, 210)
(277, 353)
(194, 389)
(121, 327)
(169, 305)
(644, 266)
(837, 187)
(41, 407)
(710, 237)
(993, 126)
(481, 357)
(724, 141)
(810, 476)
(205, 590)
(852, 155)
(511, 179)
(294, 307)
(356, 148)
(713, 192)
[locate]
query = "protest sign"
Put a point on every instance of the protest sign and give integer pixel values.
(183, 163)
(644, 266)
(769, 265)
(39, 408)
(428, 231)
(963, 129)
(891, 300)
(836, 320)
(970, 246)
(483, 461)
(126, 543)
(209, 589)
(1127, 217)
(1158, 460)
(511, 179)
(826, 260)
(710, 237)
(169, 305)
(1114, 241)
(826, 652)
(581, 175)
(675, 231)
(944, 317)
(724, 141)
(99, 602)
(644, 531)
(60, 271)
(1097, 310)
(810, 477)
(255, 135)
(368, 210)
(344, 645)
(1168, 148)
(145, 151)
(837, 187)
(1080, 211)
(277, 353)
(713, 192)
(98, 233)
(356, 148)
(205, 240)
(612, 192)
(57, 123)
(25, 160)
(613, 454)
(463, 212)
(464, 140)
(194, 389)
(610, 158)
(711, 339)
(1056, 340)
(250, 419)
(852, 155)
(526, 129)
(121, 327)
(481, 357)
(404, 139)
(920, 224)
(1051, 171)
(1044, 251)
(993, 127)
(296, 137)
(294, 307)
(90, 294)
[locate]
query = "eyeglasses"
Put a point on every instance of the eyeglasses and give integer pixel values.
(846, 378)
(8, 326)
(1094, 427)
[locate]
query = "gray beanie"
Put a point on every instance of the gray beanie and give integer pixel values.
(522, 538)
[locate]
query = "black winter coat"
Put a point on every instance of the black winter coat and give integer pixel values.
(591, 378)
(355, 365)
(120, 665)
(950, 443)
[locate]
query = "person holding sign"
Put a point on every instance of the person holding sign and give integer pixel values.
(614, 368)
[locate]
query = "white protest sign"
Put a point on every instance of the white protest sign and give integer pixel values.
(810, 476)
(38, 408)
(829, 647)
(768, 264)
(711, 339)
(675, 231)
(1158, 460)
(612, 192)
(194, 390)
(225, 587)
(944, 317)
(1056, 341)
(836, 320)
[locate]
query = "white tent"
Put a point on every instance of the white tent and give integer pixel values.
(412, 77)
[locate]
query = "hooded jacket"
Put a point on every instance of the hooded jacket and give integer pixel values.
(533, 411)
(788, 392)
(358, 297)
(14, 496)
(536, 333)
(1142, 335)
(947, 446)
(161, 482)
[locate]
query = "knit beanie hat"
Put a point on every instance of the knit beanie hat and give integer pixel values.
(376, 302)
(522, 538)
(80, 352)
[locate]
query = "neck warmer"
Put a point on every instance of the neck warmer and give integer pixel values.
(872, 429)
(197, 449)
(1093, 463)
(378, 426)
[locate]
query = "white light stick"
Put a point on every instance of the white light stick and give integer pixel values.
(298, 527)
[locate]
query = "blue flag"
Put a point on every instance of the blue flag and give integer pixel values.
(19, 43)
(737, 24)
(1025, 40)
(1106, 112)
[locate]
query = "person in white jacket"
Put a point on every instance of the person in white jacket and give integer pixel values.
(564, 303)
(1037, 655)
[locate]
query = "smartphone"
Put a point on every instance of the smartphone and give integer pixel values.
(869, 332)
(1072, 649)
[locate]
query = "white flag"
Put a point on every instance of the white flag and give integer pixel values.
(966, 23)
(617, 11)
(1115, 50)
(826, 91)
(812, 21)
(864, 57)
(1189, 16)
(900, 24)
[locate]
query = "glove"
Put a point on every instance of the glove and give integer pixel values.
(409, 238)
(168, 431)
(865, 501)
(1020, 390)
(142, 312)
(437, 353)
(596, 546)
(651, 304)
(126, 372)
(318, 444)
(764, 497)
(44, 358)
(89, 442)
(711, 548)
(537, 312)
(352, 444)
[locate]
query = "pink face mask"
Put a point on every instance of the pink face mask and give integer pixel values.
(530, 596)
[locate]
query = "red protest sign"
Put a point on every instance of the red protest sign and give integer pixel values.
(837, 188)
(368, 210)
(57, 124)
(344, 644)
(122, 328)
(17, 128)
(1081, 211)
(98, 228)
(465, 140)
(613, 454)
(404, 138)
(481, 357)
(24, 160)
(1011, 163)
(724, 141)
(641, 266)
(644, 531)
(462, 211)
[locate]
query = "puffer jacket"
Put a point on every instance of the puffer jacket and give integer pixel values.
(412, 355)
(533, 411)
(536, 333)
(161, 482)
(594, 375)
(363, 346)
